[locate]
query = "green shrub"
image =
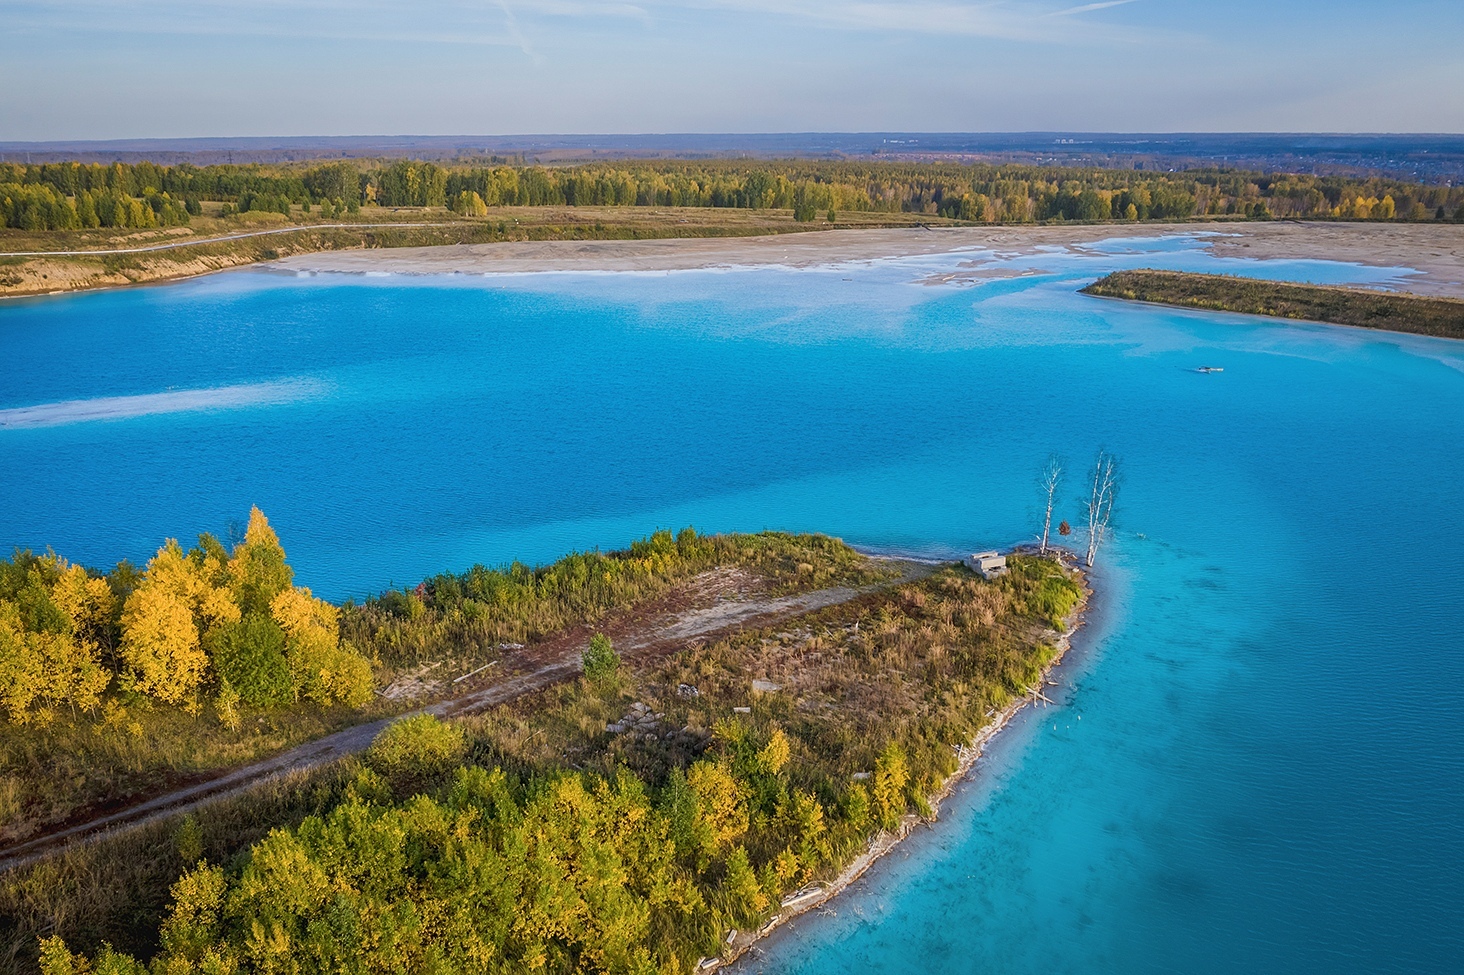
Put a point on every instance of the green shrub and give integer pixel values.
(418, 744)
(188, 838)
(249, 656)
(600, 659)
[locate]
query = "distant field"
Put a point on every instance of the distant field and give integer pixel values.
(1443, 317)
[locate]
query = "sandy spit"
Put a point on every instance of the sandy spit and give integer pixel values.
(1435, 250)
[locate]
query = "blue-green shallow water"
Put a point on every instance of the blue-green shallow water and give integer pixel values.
(1268, 770)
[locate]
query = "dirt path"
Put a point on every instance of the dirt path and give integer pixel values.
(712, 604)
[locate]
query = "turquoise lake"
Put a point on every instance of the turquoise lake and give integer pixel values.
(1257, 764)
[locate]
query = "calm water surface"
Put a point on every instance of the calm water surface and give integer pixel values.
(1259, 761)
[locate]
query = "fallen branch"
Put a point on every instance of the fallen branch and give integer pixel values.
(464, 677)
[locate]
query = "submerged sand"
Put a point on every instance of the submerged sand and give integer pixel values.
(1436, 251)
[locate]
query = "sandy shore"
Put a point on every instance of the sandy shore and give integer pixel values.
(819, 895)
(1435, 250)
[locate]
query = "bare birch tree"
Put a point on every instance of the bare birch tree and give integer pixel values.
(1048, 481)
(1104, 488)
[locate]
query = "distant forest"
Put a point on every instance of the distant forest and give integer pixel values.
(66, 196)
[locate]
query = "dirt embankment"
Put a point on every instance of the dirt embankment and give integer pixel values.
(711, 604)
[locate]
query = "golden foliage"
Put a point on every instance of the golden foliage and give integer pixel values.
(89, 603)
(719, 802)
(160, 643)
(320, 668)
(891, 775)
(258, 565)
(302, 614)
(19, 675)
(160, 637)
(54, 662)
(774, 754)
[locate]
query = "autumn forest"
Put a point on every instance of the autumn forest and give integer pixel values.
(62, 196)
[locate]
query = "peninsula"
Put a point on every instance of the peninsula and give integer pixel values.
(603, 764)
(1391, 311)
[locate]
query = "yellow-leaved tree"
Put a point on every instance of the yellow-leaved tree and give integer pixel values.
(216, 584)
(891, 775)
(160, 638)
(721, 812)
(774, 755)
(19, 675)
(258, 566)
(73, 670)
(182, 598)
(320, 668)
(50, 635)
(90, 605)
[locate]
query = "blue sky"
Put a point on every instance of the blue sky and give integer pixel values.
(101, 69)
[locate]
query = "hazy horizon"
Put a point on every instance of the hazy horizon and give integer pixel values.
(1430, 158)
(100, 70)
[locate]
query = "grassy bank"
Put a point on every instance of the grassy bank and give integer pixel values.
(1442, 317)
(202, 254)
(616, 825)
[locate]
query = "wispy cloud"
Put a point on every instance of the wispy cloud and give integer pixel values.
(518, 35)
(996, 19)
(1089, 7)
(320, 20)
(519, 23)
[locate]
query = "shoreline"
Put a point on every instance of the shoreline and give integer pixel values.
(820, 894)
(1434, 252)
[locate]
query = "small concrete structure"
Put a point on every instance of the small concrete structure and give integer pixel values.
(801, 898)
(988, 565)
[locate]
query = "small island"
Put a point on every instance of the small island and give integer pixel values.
(1390, 311)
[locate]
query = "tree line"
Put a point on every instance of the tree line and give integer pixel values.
(213, 629)
(984, 193)
(203, 623)
(498, 873)
(39, 206)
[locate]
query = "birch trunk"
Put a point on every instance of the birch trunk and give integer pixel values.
(1049, 479)
(1103, 489)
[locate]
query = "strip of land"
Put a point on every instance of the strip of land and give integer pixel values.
(1416, 314)
(47, 262)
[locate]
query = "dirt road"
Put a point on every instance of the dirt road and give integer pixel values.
(198, 241)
